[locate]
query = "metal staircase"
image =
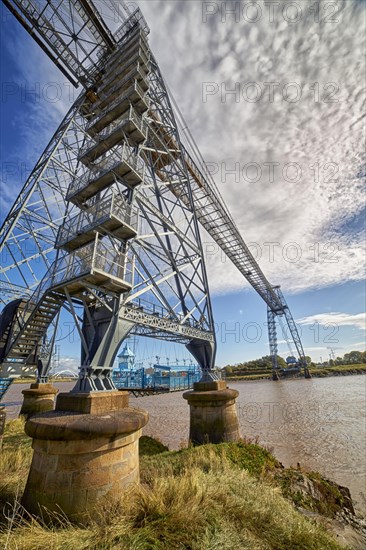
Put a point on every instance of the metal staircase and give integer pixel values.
(8, 318)
(23, 337)
(34, 323)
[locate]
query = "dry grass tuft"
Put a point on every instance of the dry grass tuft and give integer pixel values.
(201, 498)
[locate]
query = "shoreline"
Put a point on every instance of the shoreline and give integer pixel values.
(250, 377)
(322, 374)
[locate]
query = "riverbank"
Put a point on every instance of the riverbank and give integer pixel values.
(228, 496)
(318, 422)
(341, 370)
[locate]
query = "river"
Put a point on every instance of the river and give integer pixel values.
(320, 423)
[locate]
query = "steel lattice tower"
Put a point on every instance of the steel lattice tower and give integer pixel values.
(109, 218)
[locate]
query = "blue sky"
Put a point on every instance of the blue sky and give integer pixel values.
(306, 234)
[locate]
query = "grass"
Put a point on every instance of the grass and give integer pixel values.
(233, 378)
(150, 446)
(330, 500)
(315, 372)
(15, 459)
(213, 497)
(338, 370)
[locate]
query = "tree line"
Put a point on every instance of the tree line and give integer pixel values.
(265, 362)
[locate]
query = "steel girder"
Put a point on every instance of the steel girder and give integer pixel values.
(285, 312)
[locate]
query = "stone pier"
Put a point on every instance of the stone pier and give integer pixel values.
(213, 416)
(84, 452)
(38, 398)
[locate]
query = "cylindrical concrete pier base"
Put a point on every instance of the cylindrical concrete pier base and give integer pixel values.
(213, 416)
(37, 399)
(84, 451)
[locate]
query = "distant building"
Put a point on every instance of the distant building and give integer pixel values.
(176, 370)
(126, 359)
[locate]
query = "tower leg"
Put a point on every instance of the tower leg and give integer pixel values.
(272, 337)
(275, 375)
(213, 416)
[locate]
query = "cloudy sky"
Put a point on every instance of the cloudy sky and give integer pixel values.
(275, 98)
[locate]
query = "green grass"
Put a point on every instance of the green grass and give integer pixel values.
(249, 377)
(315, 372)
(339, 369)
(326, 498)
(149, 446)
(213, 497)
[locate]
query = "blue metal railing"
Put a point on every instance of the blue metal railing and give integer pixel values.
(4, 386)
(172, 381)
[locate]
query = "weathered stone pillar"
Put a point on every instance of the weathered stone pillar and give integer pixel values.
(84, 451)
(213, 417)
(37, 399)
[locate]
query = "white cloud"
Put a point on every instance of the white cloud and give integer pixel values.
(361, 345)
(357, 320)
(319, 136)
(315, 348)
(69, 363)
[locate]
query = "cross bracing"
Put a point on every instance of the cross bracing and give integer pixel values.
(114, 205)
(28, 234)
(72, 33)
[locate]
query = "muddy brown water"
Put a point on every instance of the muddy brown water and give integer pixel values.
(319, 423)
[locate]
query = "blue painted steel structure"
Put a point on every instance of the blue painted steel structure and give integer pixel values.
(161, 378)
(5, 384)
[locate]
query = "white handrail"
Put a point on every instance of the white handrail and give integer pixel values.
(133, 88)
(124, 154)
(84, 221)
(127, 116)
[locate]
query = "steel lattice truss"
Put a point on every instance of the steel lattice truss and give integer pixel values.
(29, 232)
(272, 336)
(168, 296)
(71, 32)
